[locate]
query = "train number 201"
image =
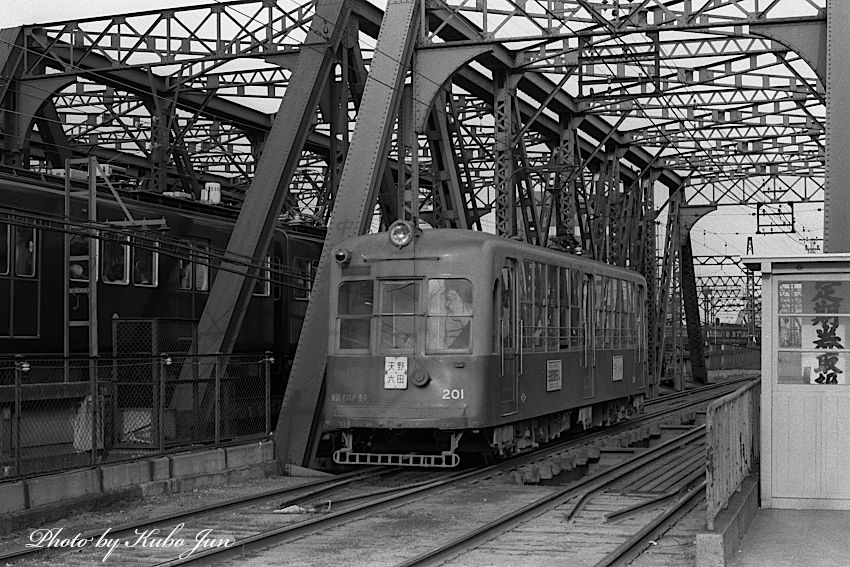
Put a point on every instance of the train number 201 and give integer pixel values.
(455, 394)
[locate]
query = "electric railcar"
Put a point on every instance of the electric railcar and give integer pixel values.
(134, 282)
(445, 341)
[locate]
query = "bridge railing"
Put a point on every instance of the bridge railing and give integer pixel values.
(732, 451)
(58, 413)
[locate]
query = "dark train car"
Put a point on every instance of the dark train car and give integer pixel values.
(453, 339)
(135, 281)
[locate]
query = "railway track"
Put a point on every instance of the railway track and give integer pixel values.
(649, 466)
(252, 524)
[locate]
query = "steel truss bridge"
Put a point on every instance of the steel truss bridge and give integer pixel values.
(609, 126)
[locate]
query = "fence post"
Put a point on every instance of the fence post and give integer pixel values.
(165, 360)
(19, 368)
(268, 360)
(218, 399)
(93, 368)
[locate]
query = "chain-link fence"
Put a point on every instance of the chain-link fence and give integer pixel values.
(58, 413)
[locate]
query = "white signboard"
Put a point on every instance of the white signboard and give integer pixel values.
(553, 375)
(617, 368)
(395, 372)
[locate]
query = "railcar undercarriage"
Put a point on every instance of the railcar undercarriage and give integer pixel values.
(415, 447)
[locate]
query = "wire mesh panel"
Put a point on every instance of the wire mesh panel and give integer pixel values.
(243, 396)
(59, 413)
(153, 336)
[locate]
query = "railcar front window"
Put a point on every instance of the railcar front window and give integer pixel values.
(399, 307)
(354, 314)
(449, 315)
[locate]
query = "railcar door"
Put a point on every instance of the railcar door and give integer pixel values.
(589, 355)
(508, 340)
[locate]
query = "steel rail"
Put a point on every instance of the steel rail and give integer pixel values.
(286, 533)
(582, 488)
(320, 485)
(630, 549)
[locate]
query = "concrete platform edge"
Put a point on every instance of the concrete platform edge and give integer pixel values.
(716, 547)
(42, 499)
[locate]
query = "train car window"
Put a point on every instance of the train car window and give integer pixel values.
(115, 260)
(78, 271)
(277, 266)
(5, 229)
(526, 303)
(495, 316)
(145, 265)
(564, 308)
(399, 306)
(612, 309)
(202, 270)
(307, 267)
(599, 312)
(449, 315)
(354, 314)
(25, 251)
(263, 287)
(539, 320)
(576, 319)
(184, 269)
(194, 272)
(553, 325)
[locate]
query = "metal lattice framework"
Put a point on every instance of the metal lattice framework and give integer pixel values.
(567, 123)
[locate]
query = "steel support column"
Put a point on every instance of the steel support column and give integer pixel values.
(688, 216)
(692, 319)
(222, 317)
(355, 200)
(505, 200)
(836, 229)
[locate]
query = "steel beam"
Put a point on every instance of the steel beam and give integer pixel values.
(361, 178)
(231, 291)
(836, 229)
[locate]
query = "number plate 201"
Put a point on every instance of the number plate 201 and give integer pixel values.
(453, 394)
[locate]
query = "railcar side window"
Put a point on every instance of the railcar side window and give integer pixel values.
(5, 229)
(599, 310)
(576, 319)
(78, 271)
(145, 265)
(307, 267)
(354, 314)
(399, 306)
(194, 272)
(552, 312)
(263, 287)
(539, 318)
(564, 308)
(449, 315)
(25, 251)
(115, 260)
(526, 302)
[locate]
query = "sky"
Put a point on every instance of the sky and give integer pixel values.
(23, 12)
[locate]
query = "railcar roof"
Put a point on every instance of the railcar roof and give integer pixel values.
(442, 241)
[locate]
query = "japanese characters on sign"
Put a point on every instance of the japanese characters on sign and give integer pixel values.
(812, 325)
(395, 372)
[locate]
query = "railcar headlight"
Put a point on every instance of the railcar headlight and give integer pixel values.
(401, 233)
(342, 256)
